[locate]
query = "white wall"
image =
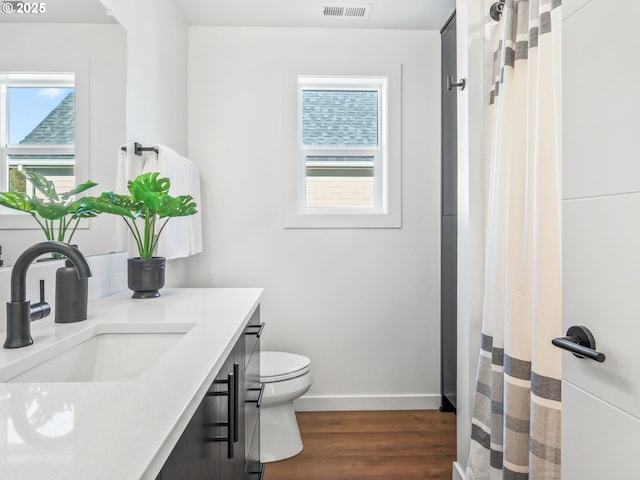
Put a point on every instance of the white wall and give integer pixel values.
(362, 303)
(156, 83)
(103, 48)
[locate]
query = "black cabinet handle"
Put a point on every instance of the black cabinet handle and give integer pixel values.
(231, 424)
(581, 343)
(258, 402)
(260, 472)
(236, 396)
(256, 333)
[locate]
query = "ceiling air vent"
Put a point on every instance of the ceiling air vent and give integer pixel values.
(346, 10)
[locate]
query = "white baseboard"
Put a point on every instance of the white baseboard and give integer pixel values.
(458, 472)
(329, 403)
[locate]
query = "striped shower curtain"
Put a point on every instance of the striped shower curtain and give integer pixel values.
(516, 418)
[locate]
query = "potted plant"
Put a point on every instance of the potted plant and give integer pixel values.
(58, 214)
(146, 211)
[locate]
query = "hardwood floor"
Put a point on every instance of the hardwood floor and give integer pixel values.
(381, 445)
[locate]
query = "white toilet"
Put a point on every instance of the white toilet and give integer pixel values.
(286, 376)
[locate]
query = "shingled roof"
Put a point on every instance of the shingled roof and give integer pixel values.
(58, 128)
(337, 117)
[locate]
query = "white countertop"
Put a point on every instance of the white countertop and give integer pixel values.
(119, 430)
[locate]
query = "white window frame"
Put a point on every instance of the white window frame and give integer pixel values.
(386, 212)
(12, 219)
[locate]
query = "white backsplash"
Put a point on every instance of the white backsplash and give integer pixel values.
(109, 275)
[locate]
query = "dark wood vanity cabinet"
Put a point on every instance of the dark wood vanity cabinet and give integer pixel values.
(222, 439)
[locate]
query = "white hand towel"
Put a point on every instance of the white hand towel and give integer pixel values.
(182, 236)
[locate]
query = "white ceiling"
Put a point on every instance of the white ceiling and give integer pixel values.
(399, 14)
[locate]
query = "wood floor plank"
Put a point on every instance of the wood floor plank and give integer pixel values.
(379, 445)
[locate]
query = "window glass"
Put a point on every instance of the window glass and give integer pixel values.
(339, 117)
(57, 168)
(340, 137)
(38, 129)
(333, 181)
(41, 115)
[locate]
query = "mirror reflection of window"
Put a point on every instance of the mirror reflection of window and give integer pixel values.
(37, 129)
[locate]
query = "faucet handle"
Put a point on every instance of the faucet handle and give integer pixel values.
(41, 309)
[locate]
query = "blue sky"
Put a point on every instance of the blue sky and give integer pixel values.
(28, 106)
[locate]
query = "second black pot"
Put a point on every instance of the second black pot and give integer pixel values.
(145, 276)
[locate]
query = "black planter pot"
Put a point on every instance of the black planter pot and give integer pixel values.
(145, 276)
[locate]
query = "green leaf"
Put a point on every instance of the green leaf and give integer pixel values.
(79, 189)
(17, 201)
(82, 208)
(51, 211)
(148, 183)
(109, 202)
(113, 198)
(43, 185)
(181, 206)
(151, 200)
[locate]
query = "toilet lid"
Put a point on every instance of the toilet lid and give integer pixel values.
(278, 366)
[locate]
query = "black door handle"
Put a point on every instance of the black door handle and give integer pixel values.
(581, 343)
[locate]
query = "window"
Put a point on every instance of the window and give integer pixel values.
(37, 129)
(346, 168)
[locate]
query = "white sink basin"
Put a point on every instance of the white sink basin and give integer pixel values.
(102, 353)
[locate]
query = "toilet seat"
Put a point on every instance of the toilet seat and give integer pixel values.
(280, 366)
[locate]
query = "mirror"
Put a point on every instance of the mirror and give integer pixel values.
(67, 37)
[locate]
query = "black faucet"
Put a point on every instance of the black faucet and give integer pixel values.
(19, 309)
